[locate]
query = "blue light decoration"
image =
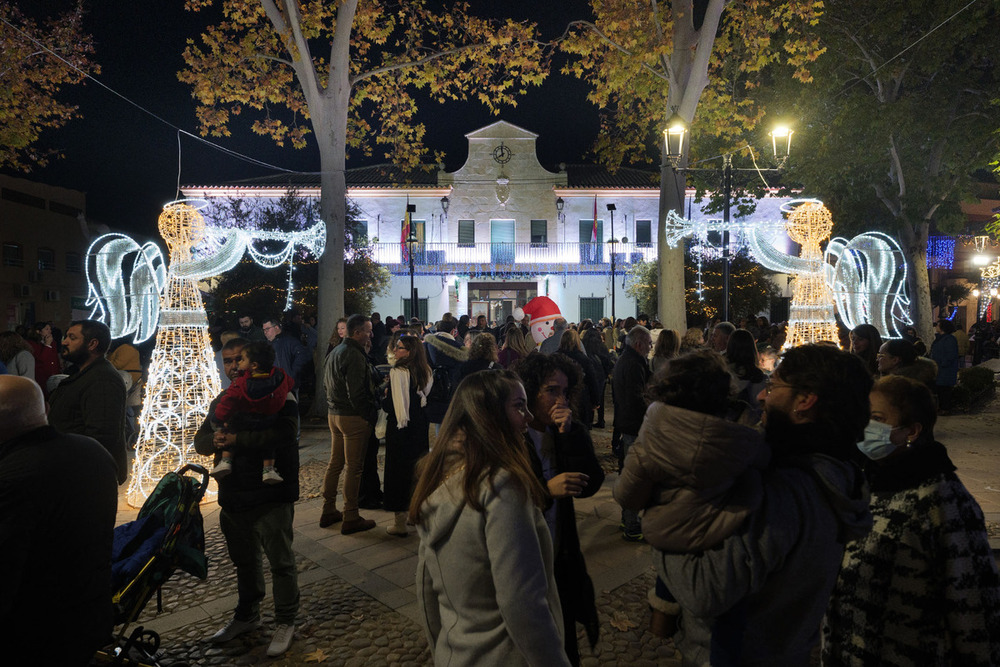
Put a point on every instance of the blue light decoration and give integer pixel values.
(940, 252)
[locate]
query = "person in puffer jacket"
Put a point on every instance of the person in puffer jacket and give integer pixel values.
(696, 474)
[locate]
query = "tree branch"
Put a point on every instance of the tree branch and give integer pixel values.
(659, 33)
(340, 47)
(287, 23)
(897, 167)
(704, 45)
(597, 31)
(886, 200)
(426, 59)
(876, 84)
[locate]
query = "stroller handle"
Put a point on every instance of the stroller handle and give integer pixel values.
(199, 470)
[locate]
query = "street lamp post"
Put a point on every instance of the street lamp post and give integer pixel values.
(781, 142)
(613, 245)
(411, 246)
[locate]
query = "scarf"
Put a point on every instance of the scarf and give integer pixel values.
(399, 384)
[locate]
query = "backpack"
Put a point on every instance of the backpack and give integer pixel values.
(442, 388)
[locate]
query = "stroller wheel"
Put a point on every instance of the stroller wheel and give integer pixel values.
(142, 644)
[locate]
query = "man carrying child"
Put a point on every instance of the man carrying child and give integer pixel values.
(252, 401)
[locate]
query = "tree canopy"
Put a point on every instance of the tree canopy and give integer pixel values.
(32, 79)
(705, 61)
(899, 119)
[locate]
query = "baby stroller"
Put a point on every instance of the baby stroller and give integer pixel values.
(167, 534)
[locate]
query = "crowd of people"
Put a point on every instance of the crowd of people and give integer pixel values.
(787, 498)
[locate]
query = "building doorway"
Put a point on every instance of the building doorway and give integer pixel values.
(498, 300)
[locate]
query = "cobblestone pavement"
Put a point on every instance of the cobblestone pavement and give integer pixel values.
(358, 597)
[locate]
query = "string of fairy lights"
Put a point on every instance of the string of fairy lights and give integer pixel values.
(183, 377)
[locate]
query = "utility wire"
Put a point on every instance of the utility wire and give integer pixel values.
(920, 39)
(138, 106)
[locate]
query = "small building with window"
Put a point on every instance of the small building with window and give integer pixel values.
(44, 238)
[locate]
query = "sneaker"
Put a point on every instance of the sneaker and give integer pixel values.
(633, 536)
(234, 629)
(271, 476)
(281, 640)
(222, 468)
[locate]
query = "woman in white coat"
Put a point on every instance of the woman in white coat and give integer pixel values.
(484, 575)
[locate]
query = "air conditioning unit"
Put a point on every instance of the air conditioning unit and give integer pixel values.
(22, 291)
(35, 276)
(52, 295)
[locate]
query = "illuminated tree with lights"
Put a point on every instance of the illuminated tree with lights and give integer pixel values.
(348, 72)
(249, 287)
(750, 288)
(903, 101)
(649, 60)
(32, 79)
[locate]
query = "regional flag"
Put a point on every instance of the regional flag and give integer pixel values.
(405, 234)
(593, 232)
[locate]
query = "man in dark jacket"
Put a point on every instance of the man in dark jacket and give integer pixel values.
(783, 561)
(290, 355)
(444, 354)
(353, 411)
(256, 516)
(628, 379)
(563, 459)
(57, 493)
(91, 401)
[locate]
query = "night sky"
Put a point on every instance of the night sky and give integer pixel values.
(127, 161)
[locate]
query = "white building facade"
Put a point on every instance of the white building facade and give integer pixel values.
(499, 231)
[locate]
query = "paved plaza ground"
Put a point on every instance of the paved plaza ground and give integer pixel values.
(358, 594)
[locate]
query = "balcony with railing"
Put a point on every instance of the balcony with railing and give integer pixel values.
(505, 259)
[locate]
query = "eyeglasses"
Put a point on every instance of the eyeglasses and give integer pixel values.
(770, 385)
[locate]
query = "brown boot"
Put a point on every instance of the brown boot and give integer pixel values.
(327, 519)
(662, 625)
(356, 526)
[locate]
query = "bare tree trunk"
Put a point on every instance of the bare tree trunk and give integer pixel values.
(670, 282)
(331, 125)
(917, 279)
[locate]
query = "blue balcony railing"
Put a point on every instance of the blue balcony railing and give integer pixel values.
(508, 258)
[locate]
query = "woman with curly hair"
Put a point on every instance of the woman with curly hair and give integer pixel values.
(482, 355)
(485, 577)
(694, 338)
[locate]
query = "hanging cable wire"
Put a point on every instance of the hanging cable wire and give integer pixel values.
(138, 106)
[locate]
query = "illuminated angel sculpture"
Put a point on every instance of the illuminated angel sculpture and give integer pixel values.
(868, 277)
(183, 377)
(810, 316)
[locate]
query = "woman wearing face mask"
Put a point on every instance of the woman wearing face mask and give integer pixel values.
(922, 586)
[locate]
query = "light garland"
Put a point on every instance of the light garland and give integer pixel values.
(941, 252)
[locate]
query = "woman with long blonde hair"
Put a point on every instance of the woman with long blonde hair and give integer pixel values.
(484, 572)
(514, 346)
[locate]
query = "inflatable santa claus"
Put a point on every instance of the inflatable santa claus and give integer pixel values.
(543, 311)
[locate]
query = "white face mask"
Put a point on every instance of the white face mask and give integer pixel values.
(877, 443)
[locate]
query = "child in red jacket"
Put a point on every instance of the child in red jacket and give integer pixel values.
(251, 402)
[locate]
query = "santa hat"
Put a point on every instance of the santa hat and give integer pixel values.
(541, 307)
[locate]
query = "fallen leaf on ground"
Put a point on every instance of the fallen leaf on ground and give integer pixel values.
(316, 656)
(621, 622)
